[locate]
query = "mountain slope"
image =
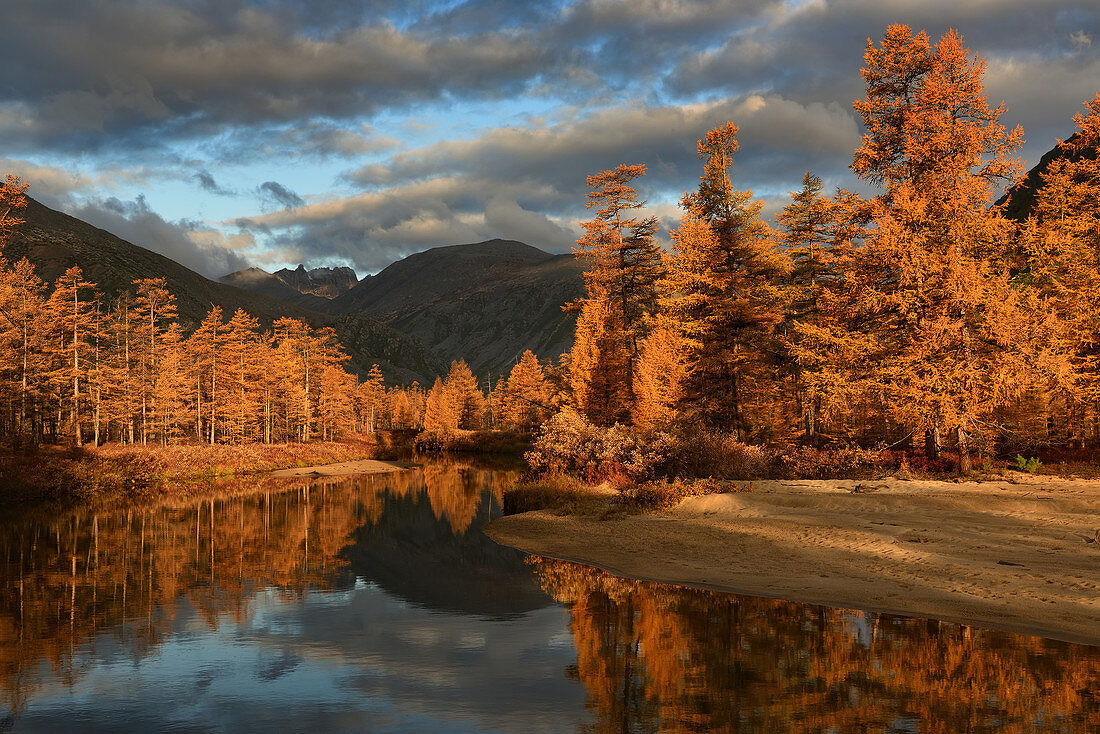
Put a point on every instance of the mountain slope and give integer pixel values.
(54, 242)
(484, 302)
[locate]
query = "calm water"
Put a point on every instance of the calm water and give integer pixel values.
(376, 604)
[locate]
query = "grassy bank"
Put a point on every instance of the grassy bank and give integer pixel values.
(118, 470)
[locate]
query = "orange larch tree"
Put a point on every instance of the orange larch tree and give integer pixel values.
(73, 311)
(155, 306)
(1062, 246)
(525, 398)
(933, 327)
(623, 264)
(721, 291)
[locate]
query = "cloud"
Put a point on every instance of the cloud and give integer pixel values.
(138, 71)
(59, 187)
(776, 134)
(207, 182)
(529, 184)
(325, 139)
(279, 195)
(533, 96)
(189, 243)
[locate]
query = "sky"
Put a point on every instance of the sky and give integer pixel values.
(234, 133)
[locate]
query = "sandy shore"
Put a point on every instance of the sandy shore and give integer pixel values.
(1012, 555)
(343, 469)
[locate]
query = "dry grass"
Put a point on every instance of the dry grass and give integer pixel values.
(568, 495)
(203, 460)
(561, 493)
(656, 496)
(118, 470)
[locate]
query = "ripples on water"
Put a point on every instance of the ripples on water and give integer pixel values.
(376, 604)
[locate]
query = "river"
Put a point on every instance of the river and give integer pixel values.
(376, 604)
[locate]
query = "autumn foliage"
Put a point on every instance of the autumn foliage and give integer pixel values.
(921, 317)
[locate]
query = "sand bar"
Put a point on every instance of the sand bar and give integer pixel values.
(344, 469)
(1018, 555)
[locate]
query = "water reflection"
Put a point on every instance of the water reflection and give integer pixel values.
(373, 603)
(377, 604)
(655, 657)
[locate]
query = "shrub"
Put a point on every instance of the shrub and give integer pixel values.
(1031, 466)
(569, 443)
(849, 462)
(556, 492)
(698, 452)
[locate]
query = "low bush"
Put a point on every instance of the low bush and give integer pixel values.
(848, 462)
(1031, 466)
(704, 453)
(568, 443)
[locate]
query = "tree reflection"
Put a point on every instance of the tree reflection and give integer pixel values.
(655, 657)
(64, 580)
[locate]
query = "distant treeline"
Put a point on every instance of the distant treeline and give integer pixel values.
(79, 368)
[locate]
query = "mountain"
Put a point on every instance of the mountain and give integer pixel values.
(306, 288)
(1021, 197)
(54, 242)
(268, 284)
(323, 282)
(484, 302)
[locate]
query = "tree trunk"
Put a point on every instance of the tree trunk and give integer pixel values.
(932, 444)
(964, 450)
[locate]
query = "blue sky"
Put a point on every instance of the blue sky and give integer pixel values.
(227, 133)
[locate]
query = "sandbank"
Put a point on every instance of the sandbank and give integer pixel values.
(343, 469)
(1020, 555)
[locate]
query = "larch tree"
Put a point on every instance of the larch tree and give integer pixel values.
(12, 201)
(439, 413)
(75, 316)
(205, 346)
(155, 306)
(623, 264)
(1062, 245)
(721, 291)
(467, 403)
(241, 371)
(26, 339)
(819, 234)
(659, 379)
(598, 364)
(525, 396)
(370, 398)
(934, 328)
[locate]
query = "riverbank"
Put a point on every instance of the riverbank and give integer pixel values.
(133, 470)
(1020, 555)
(343, 469)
